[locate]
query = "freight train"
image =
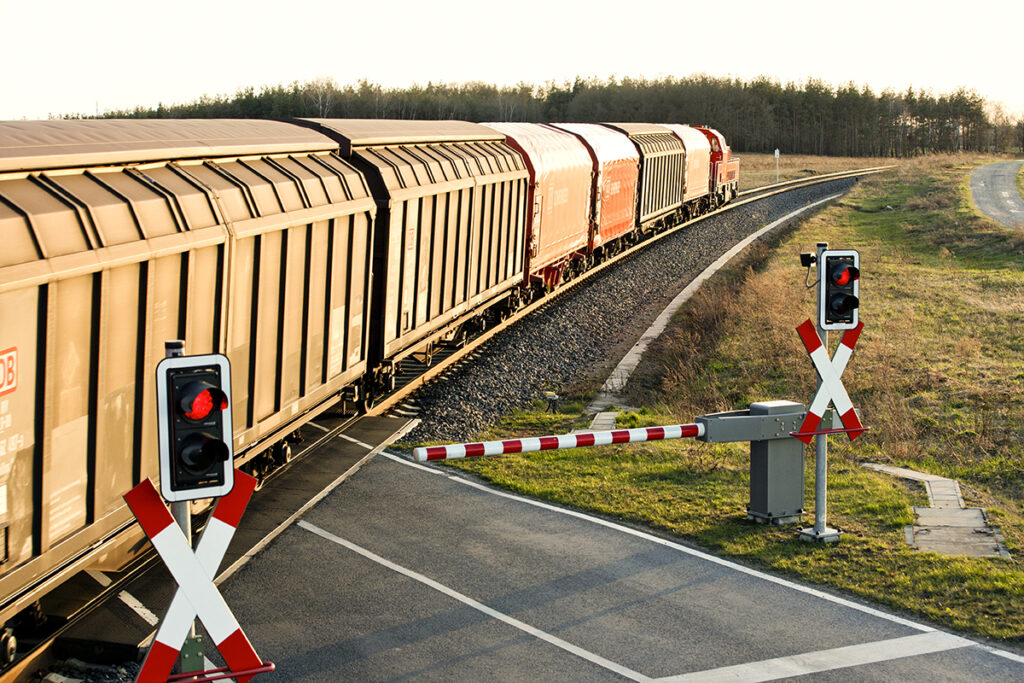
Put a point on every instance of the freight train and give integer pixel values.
(316, 254)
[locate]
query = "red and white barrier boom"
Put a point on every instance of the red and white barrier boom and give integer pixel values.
(197, 595)
(550, 443)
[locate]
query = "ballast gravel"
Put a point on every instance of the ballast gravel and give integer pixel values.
(562, 344)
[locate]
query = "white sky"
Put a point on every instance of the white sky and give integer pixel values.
(83, 56)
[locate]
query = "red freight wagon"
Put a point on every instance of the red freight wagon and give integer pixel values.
(560, 178)
(616, 174)
(697, 182)
(725, 168)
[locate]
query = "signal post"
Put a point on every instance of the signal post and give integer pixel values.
(194, 427)
(838, 305)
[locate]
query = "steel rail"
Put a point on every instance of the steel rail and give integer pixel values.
(805, 182)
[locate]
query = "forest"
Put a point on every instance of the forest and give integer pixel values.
(758, 115)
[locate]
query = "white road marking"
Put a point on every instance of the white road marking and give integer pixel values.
(127, 598)
(479, 606)
(702, 555)
(830, 660)
(398, 458)
(356, 442)
(320, 427)
(1006, 194)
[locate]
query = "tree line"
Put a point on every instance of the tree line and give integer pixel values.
(757, 115)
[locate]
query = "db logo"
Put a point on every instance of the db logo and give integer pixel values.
(8, 370)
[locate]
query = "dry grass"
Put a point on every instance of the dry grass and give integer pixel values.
(759, 169)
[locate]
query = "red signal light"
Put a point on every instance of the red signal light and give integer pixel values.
(846, 276)
(199, 399)
(202, 404)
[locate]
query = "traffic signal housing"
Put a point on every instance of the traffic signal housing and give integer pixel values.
(839, 293)
(194, 427)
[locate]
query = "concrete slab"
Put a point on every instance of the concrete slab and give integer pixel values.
(604, 421)
(970, 518)
(947, 527)
(902, 472)
(956, 541)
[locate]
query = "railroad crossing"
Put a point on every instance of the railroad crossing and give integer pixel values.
(410, 571)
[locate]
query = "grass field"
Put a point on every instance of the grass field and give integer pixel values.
(938, 374)
(759, 169)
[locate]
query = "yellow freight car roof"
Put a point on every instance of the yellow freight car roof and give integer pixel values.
(36, 145)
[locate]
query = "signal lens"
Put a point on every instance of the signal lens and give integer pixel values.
(202, 404)
(845, 276)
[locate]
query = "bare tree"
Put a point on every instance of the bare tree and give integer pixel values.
(320, 94)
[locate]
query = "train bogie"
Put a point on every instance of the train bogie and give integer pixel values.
(616, 179)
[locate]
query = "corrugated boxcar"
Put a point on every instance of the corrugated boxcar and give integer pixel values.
(662, 163)
(119, 235)
(451, 200)
(616, 176)
(560, 180)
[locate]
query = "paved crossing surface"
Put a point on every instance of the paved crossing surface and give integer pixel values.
(406, 571)
(994, 191)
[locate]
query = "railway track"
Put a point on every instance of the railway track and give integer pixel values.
(414, 374)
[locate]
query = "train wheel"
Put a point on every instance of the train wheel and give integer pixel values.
(8, 646)
(282, 453)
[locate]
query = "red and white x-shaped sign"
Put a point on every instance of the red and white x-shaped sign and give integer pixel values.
(831, 389)
(196, 595)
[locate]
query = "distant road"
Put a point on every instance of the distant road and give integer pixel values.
(994, 191)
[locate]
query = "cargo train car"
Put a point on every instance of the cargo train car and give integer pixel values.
(251, 238)
(316, 254)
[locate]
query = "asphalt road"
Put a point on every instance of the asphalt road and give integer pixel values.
(407, 572)
(994, 191)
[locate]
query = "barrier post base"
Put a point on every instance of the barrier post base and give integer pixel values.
(827, 535)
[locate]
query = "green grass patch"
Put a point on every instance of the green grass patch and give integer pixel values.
(938, 374)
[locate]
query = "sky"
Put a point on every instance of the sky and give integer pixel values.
(90, 56)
